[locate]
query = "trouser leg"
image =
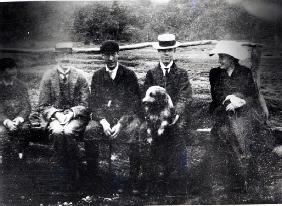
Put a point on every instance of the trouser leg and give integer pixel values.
(92, 135)
(131, 131)
(134, 163)
(11, 144)
(5, 144)
(92, 156)
(73, 132)
(55, 130)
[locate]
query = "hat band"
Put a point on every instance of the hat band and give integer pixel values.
(63, 50)
(167, 43)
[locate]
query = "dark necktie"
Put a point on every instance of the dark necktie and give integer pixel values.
(166, 71)
(64, 77)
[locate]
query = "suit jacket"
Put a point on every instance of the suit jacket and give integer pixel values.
(240, 84)
(14, 101)
(50, 99)
(176, 83)
(115, 100)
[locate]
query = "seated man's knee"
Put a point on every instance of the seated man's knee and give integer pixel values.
(69, 131)
(3, 131)
(182, 125)
(55, 128)
(56, 131)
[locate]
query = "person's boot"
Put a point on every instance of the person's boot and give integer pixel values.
(92, 161)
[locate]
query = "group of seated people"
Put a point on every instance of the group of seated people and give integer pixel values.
(112, 108)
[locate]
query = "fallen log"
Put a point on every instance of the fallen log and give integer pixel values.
(96, 50)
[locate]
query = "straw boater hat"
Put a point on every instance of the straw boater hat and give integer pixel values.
(166, 41)
(232, 48)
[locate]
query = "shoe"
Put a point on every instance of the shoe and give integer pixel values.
(120, 191)
(135, 192)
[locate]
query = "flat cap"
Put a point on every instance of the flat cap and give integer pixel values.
(7, 63)
(109, 46)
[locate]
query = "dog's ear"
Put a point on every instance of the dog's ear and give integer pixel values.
(169, 101)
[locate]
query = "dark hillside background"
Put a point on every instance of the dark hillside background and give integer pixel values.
(26, 23)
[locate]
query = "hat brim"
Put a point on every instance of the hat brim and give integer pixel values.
(241, 56)
(158, 47)
(234, 49)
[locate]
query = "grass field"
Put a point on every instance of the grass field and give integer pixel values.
(198, 64)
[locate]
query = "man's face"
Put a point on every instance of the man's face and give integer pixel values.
(166, 55)
(110, 59)
(9, 74)
(225, 61)
(63, 59)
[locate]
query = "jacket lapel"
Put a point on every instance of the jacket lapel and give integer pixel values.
(119, 75)
(73, 76)
(106, 75)
(173, 71)
(160, 75)
(55, 79)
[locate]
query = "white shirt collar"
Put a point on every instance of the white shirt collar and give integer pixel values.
(11, 83)
(163, 67)
(63, 73)
(113, 73)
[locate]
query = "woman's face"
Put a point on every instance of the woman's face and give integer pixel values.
(225, 61)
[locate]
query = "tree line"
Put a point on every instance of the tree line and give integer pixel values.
(132, 21)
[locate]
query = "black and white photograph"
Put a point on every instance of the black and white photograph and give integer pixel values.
(140, 102)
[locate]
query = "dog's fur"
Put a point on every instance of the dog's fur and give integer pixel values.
(159, 129)
(159, 110)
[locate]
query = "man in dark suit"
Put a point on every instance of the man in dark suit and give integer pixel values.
(14, 111)
(114, 105)
(175, 80)
(63, 101)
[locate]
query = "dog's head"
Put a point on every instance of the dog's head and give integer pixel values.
(157, 98)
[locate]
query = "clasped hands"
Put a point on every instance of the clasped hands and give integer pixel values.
(12, 125)
(64, 118)
(110, 132)
(235, 102)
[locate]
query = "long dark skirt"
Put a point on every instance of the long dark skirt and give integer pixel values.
(241, 145)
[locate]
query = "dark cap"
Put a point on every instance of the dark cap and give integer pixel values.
(7, 63)
(109, 46)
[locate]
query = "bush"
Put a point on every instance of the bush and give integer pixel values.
(101, 21)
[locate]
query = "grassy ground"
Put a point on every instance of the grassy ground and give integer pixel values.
(32, 182)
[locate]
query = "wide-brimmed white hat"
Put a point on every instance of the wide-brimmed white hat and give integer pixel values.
(232, 48)
(166, 41)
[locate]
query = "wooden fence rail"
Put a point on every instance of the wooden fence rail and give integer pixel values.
(96, 50)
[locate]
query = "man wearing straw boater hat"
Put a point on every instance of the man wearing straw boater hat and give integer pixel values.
(63, 101)
(176, 82)
(168, 75)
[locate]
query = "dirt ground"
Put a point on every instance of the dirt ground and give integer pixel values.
(32, 182)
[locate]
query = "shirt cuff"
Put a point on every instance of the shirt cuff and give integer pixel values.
(73, 111)
(5, 122)
(104, 121)
(20, 119)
